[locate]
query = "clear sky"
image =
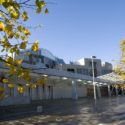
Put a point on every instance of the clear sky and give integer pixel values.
(81, 28)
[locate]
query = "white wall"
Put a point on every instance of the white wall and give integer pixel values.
(81, 90)
(62, 90)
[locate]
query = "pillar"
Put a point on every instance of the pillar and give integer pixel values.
(15, 91)
(98, 90)
(33, 93)
(40, 92)
(74, 90)
(109, 91)
(46, 92)
(26, 93)
(122, 91)
(116, 89)
(5, 90)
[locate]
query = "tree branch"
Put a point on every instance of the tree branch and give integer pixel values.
(24, 2)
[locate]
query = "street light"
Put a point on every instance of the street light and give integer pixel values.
(93, 74)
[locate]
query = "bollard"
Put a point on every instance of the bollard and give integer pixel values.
(39, 109)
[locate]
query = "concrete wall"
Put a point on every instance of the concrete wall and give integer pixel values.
(54, 89)
(62, 90)
(81, 90)
(15, 101)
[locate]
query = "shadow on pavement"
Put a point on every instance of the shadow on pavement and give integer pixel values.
(73, 112)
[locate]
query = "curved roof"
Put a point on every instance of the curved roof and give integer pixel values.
(115, 78)
(47, 54)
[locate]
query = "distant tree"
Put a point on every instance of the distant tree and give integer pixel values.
(14, 34)
(120, 68)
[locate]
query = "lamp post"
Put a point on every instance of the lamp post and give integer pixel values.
(93, 74)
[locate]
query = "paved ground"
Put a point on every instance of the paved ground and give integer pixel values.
(106, 111)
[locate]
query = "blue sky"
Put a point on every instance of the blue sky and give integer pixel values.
(81, 28)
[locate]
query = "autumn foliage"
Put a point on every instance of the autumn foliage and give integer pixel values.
(13, 15)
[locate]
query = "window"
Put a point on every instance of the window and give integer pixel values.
(71, 70)
(94, 64)
(91, 72)
(85, 72)
(42, 59)
(80, 71)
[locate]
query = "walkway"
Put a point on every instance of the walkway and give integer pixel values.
(106, 111)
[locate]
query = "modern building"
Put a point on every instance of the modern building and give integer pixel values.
(41, 57)
(84, 66)
(59, 80)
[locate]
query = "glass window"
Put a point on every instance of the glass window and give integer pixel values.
(71, 70)
(80, 71)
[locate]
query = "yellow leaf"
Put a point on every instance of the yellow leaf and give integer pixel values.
(11, 85)
(14, 49)
(1, 26)
(9, 60)
(26, 32)
(38, 10)
(19, 61)
(7, 64)
(27, 85)
(41, 81)
(26, 75)
(10, 35)
(123, 42)
(43, 4)
(23, 45)
(1, 14)
(28, 54)
(46, 11)
(23, 37)
(1, 91)
(5, 80)
(17, 35)
(20, 89)
(14, 13)
(8, 28)
(20, 28)
(35, 46)
(2, 1)
(12, 70)
(7, 45)
(20, 72)
(25, 16)
(33, 85)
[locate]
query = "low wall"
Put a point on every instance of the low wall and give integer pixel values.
(15, 100)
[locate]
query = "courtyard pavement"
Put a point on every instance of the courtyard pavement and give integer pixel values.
(85, 111)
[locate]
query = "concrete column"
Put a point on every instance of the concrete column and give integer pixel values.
(40, 92)
(30, 93)
(98, 90)
(33, 93)
(5, 90)
(15, 91)
(46, 92)
(26, 93)
(116, 89)
(109, 91)
(43, 90)
(74, 90)
(122, 91)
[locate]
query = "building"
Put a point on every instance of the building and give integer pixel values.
(41, 57)
(59, 80)
(84, 66)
